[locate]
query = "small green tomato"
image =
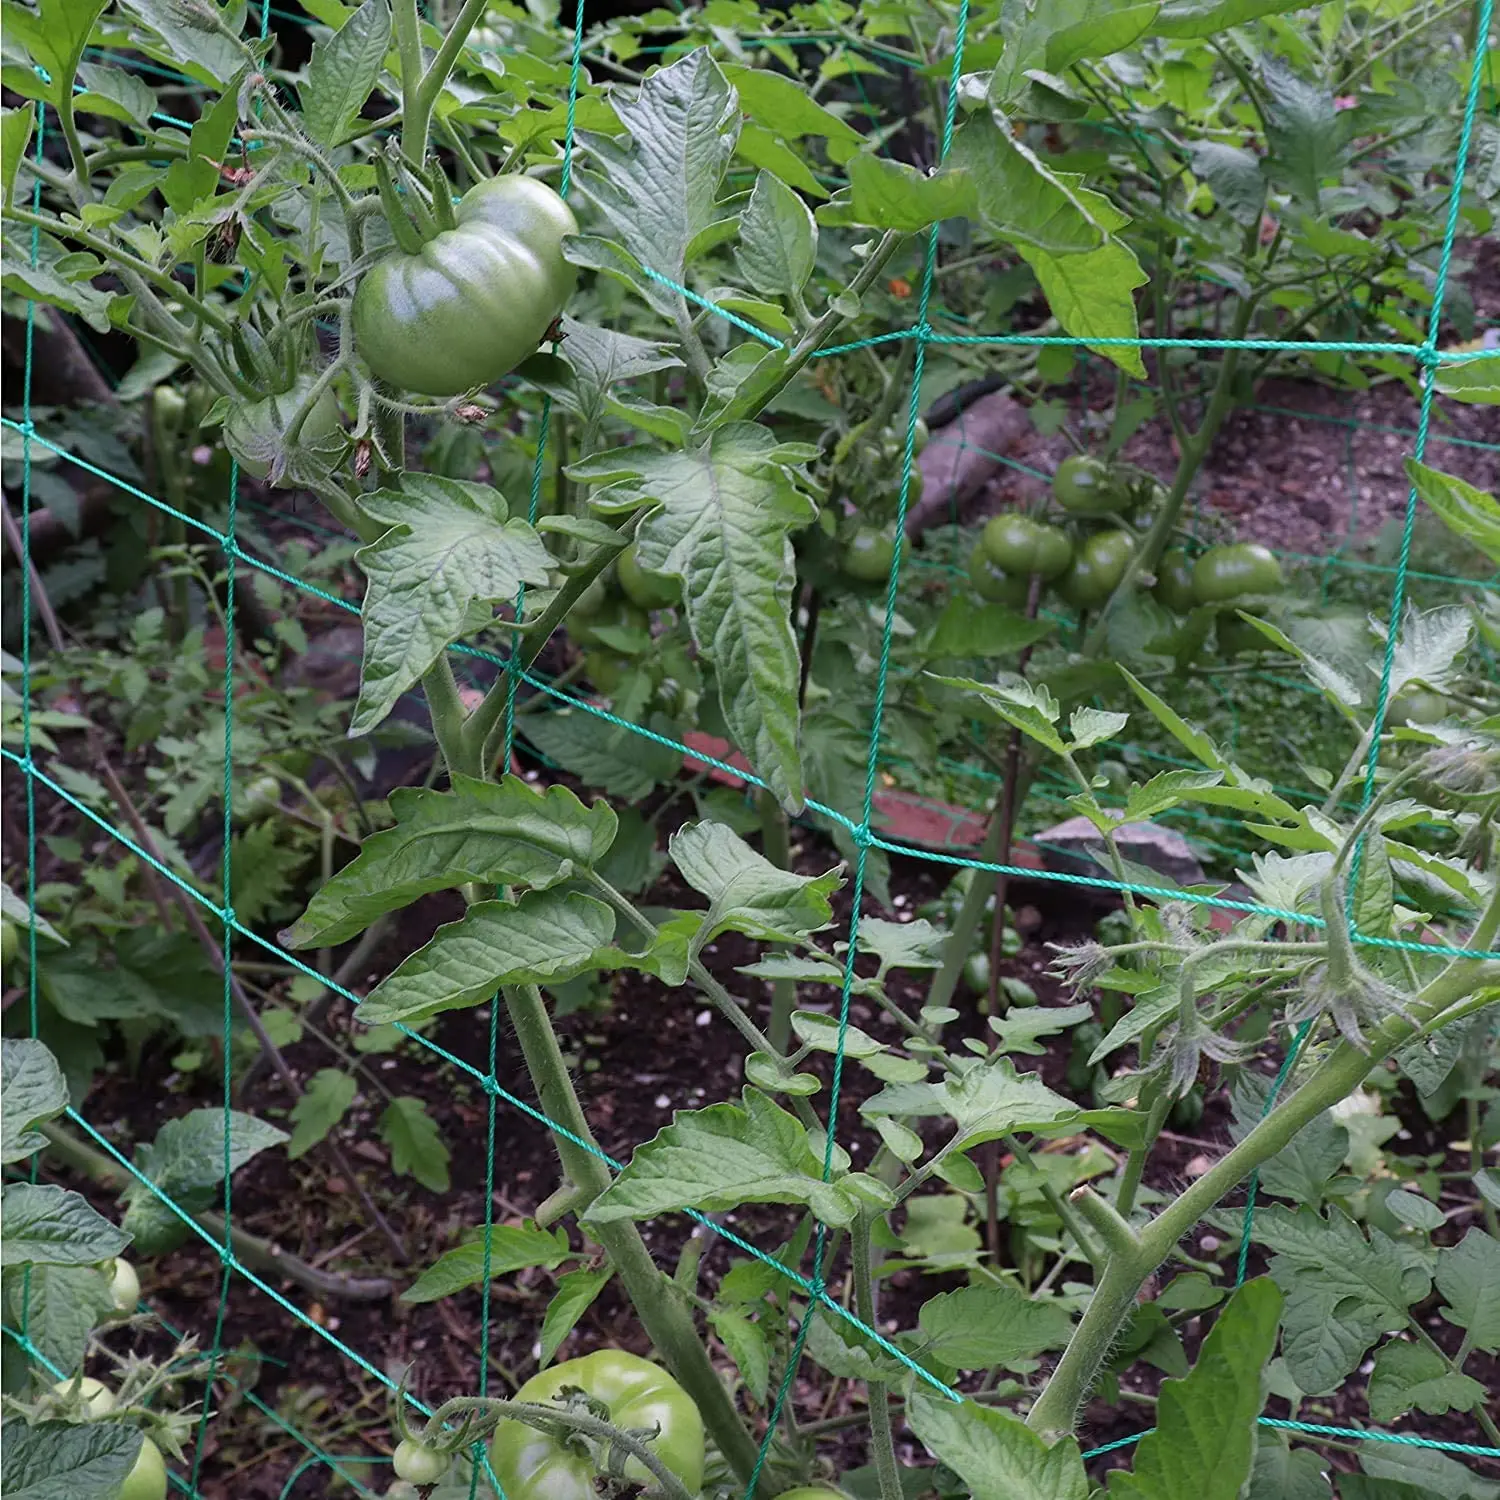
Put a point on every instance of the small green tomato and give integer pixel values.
(97, 1397)
(418, 1463)
(147, 1480)
(124, 1287)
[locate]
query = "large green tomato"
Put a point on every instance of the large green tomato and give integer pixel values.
(1416, 705)
(812, 1492)
(533, 1465)
(868, 555)
(474, 301)
(147, 1480)
(647, 590)
(1099, 566)
(1225, 573)
(995, 584)
(1085, 485)
(1174, 582)
(10, 944)
(1019, 545)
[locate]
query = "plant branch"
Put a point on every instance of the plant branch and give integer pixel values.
(882, 1442)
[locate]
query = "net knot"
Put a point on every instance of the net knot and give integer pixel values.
(491, 1085)
(924, 332)
(28, 427)
(862, 835)
(227, 913)
(1428, 356)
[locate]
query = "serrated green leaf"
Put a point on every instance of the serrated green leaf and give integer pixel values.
(746, 892)
(988, 1099)
(1303, 1168)
(600, 358)
(343, 71)
(746, 1342)
(722, 1157)
(1093, 296)
(1019, 1029)
(1092, 726)
(902, 945)
(778, 240)
(66, 1460)
(1472, 513)
(541, 938)
(1024, 705)
(1203, 1445)
(766, 152)
(1403, 1473)
(186, 1162)
(1017, 196)
(1164, 791)
(1342, 1291)
(505, 833)
(512, 1247)
(576, 1291)
(417, 1148)
(1303, 130)
(886, 194)
(969, 630)
(1192, 739)
(612, 758)
(1474, 380)
(994, 1453)
(781, 104)
(450, 548)
(1468, 1276)
(978, 1327)
(1187, 19)
(1235, 178)
(821, 1033)
(53, 36)
(660, 192)
(53, 1226)
(1282, 1472)
(62, 1307)
(329, 1093)
(727, 508)
(16, 126)
(1411, 1377)
(32, 1090)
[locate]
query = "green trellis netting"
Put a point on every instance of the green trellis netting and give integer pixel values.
(355, 1470)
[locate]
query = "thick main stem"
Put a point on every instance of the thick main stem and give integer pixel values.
(776, 844)
(666, 1321)
(882, 1440)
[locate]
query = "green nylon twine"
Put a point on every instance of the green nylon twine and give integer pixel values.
(1426, 354)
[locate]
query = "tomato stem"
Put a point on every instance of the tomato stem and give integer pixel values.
(407, 237)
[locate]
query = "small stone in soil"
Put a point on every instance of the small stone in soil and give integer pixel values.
(663, 1102)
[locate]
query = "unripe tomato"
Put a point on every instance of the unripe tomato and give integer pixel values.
(1188, 1110)
(1087, 486)
(147, 1479)
(647, 590)
(993, 583)
(534, 1465)
(97, 1397)
(1174, 582)
(1416, 705)
(1098, 568)
(418, 1463)
(124, 1287)
(1225, 573)
(591, 601)
(1022, 546)
(920, 436)
(475, 300)
(261, 797)
(868, 555)
(812, 1492)
(977, 973)
(10, 943)
(606, 670)
(247, 427)
(1237, 637)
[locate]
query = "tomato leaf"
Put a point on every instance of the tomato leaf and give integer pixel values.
(576, 1291)
(329, 1093)
(505, 833)
(67, 1460)
(1411, 1377)
(1468, 1276)
(727, 508)
(417, 1148)
(62, 1307)
(720, 1158)
(1473, 513)
(32, 1089)
(1203, 1445)
(343, 70)
(450, 548)
(995, 1454)
(748, 1348)
(979, 1327)
(513, 1247)
(53, 1226)
(747, 893)
(778, 241)
(660, 191)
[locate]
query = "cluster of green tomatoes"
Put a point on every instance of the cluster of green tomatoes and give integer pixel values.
(629, 1392)
(615, 608)
(1083, 561)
